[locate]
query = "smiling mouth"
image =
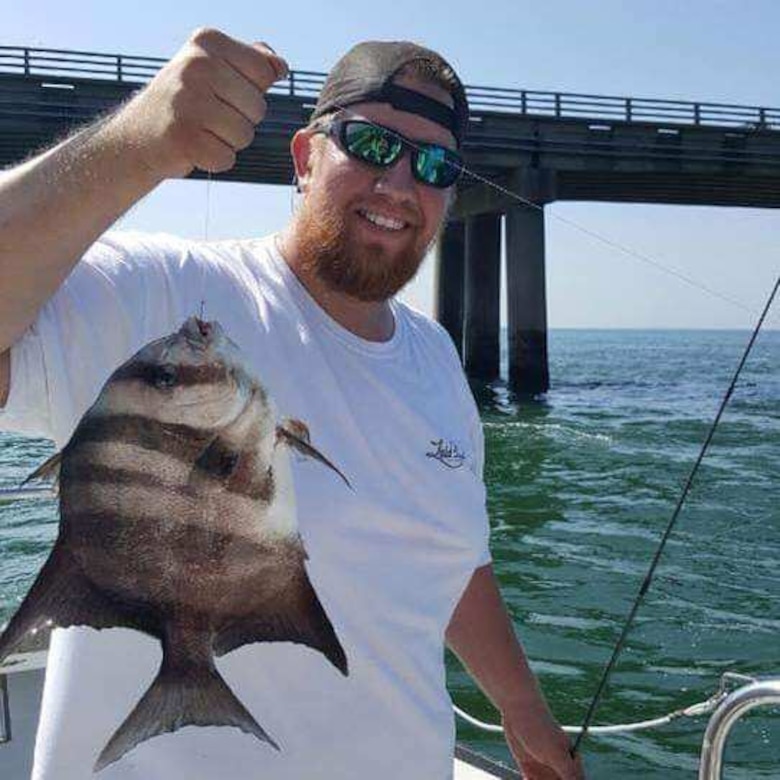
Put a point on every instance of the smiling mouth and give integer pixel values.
(389, 224)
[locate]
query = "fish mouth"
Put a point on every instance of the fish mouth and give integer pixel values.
(199, 333)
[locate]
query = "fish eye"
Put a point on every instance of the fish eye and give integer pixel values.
(164, 376)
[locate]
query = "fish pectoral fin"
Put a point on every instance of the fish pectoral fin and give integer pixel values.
(290, 434)
(180, 696)
(49, 471)
(295, 427)
(296, 615)
(62, 596)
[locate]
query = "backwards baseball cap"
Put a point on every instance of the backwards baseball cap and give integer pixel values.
(366, 73)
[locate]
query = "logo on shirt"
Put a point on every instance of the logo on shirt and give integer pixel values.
(447, 452)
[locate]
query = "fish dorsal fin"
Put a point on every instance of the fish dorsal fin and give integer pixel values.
(48, 471)
(295, 434)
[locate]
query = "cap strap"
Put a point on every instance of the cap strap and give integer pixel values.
(416, 103)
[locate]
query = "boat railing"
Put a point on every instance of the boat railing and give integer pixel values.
(730, 710)
(5, 711)
(16, 494)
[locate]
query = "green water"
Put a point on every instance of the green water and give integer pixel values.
(580, 488)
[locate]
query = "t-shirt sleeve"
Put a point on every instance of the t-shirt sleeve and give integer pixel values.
(476, 437)
(119, 296)
(478, 443)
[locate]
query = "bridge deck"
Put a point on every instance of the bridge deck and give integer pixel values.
(544, 145)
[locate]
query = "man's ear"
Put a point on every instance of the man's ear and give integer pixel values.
(301, 150)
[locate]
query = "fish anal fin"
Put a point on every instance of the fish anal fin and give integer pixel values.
(295, 435)
(295, 615)
(62, 596)
(49, 471)
(181, 696)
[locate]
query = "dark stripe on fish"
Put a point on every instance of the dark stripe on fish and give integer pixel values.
(165, 375)
(242, 483)
(179, 441)
(94, 473)
(173, 544)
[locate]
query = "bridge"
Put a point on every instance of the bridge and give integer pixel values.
(542, 146)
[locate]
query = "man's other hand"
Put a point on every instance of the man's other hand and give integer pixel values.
(541, 748)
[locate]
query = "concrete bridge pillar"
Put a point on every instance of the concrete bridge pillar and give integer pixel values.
(526, 300)
(450, 266)
(482, 296)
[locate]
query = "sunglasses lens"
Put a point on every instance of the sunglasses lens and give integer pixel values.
(436, 166)
(432, 164)
(371, 144)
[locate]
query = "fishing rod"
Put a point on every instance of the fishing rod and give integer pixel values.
(657, 557)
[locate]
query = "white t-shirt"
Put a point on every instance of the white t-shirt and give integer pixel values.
(388, 560)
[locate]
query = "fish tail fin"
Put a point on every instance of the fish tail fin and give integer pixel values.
(177, 698)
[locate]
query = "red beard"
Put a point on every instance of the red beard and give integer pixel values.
(358, 268)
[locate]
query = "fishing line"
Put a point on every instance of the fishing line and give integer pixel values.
(206, 224)
(569, 222)
(207, 219)
(581, 228)
(656, 558)
(610, 243)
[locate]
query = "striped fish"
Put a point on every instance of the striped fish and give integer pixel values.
(178, 519)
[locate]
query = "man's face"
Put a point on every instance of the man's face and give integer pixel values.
(338, 235)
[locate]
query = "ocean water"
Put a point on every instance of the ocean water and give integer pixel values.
(580, 488)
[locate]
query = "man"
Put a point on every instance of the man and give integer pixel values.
(400, 566)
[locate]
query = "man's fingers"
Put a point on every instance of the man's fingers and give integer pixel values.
(558, 766)
(579, 772)
(279, 63)
(214, 155)
(536, 770)
(533, 770)
(230, 125)
(260, 65)
(203, 106)
(237, 91)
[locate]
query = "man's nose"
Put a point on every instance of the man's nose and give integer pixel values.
(397, 181)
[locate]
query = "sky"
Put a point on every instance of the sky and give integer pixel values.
(704, 50)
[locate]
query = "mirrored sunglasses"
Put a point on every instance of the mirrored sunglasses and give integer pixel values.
(432, 164)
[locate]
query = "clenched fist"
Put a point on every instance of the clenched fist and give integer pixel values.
(203, 106)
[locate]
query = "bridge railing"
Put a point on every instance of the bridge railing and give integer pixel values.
(130, 69)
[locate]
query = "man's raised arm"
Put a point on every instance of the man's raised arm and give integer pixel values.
(198, 111)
